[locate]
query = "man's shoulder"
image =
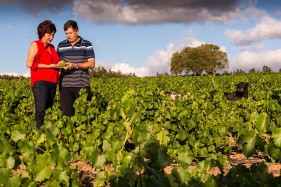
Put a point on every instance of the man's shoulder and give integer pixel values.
(63, 43)
(85, 42)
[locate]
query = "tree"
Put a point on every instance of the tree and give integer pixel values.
(177, 66)
(239, 71)
(266, 69)
(205, 58)
(253, 70)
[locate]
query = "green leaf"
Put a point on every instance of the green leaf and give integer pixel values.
(6, 147)
(41, 172)
(53, 183)
(100, 179)
(27, 151)
(163, 137)
(41, 139)
(10, 162)
(91, 153)
(3, 161)
(184, 159)
(274, 152)
(124, 167)
(262, 122)
(14, 181)
(18, 134)
(62, 159)
(276, 135)
(211, 182)
(62, 175)
(41, 168)
(4, 176)
(181, 175)
(203, 152)
(204, 165)
(249, 148)
(100, 161)
(158, 155)
(141, 136)
(29, 183)
(248, 141)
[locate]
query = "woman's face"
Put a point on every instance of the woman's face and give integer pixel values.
(71, 35)
(48, 37)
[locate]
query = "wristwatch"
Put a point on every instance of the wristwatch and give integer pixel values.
(77, 66)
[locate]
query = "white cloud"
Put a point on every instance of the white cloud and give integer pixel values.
(257, 48)
(262, 31)
(191, 41)
(278, 12)
(123, 67)
(253, 13)
(100, 63)
(126, 68)
(160, 61)
(247, 60)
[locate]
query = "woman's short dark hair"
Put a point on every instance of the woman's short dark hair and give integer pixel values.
(70, 24)
(45, 27)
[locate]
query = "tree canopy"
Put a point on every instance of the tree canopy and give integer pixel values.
(205, 58)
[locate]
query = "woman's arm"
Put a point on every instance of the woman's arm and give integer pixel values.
(31, 54)
(47, 65)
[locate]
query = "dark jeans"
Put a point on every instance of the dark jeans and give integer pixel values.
(44, 95)
(68, 95)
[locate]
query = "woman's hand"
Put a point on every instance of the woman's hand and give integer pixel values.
(54, 65)
(66, 66)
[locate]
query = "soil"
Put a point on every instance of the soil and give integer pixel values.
(87, 173)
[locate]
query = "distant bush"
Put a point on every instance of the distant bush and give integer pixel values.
(11, 77)
(102, 72)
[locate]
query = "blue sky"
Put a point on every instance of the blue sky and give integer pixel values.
(140, 36)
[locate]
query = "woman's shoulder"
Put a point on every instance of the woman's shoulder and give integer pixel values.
(38, 42)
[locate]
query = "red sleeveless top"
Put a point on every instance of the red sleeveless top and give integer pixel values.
(43, 56)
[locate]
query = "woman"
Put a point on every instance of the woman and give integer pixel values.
(43, 61)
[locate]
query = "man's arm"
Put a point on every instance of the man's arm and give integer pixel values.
(86, 65)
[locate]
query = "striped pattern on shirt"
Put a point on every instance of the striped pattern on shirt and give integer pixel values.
(79, 53)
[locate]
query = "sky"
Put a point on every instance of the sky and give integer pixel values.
(140, 36)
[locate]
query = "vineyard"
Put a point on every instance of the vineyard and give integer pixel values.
(132, 134)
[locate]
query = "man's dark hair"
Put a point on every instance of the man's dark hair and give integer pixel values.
(70, 24)
(45, 27)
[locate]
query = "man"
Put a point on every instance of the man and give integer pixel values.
(80, 57)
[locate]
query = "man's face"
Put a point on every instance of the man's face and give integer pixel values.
(71, 35)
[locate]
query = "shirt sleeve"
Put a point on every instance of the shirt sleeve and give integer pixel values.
(90, 50)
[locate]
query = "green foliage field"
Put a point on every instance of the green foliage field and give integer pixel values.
(132, 126)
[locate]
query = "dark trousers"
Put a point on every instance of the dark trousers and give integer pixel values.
(44, 95)
(68, 95)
